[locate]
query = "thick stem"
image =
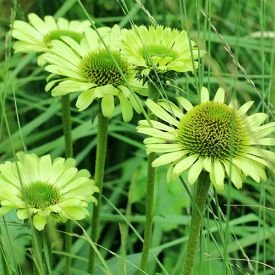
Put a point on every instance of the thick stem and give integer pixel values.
(101, 148)
(67, 130)
(201, 194)
(153, 94)
(37, 247)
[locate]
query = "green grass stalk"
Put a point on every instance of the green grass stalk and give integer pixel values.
(102, 136)
(67, 130)
(200, 196)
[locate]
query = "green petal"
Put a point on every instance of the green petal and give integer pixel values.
(38, 23)
(249, 168)
(107, 105)
(263, 141)
(195, 171)
(126, 108)
(164, 148)
(51, 84)
(184, 164)
(171, 108)
(168, 158)
(75, 212)
(62, 71)
(234, 173)
(45, 168)
(256, 119)
(218, 174)
(66, 177)
(207, 164)
(220, 95)
(61, 49)
(156, 133)
(22, 214)
(187, 105)
(39, 222)
(204, 95)
(160, 112)
(157, 125)
(245, 107)
(85, 99)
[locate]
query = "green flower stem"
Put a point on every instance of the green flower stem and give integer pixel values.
(102, 135)
(200, 196)
(67, 130)
(153, 94)
(37, 252)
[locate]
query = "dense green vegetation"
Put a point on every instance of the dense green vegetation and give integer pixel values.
(238, 234)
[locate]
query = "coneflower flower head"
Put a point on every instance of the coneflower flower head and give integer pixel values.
(94, 71)
(40, 188)
(159, 53)
(37, 35)
(212, 136)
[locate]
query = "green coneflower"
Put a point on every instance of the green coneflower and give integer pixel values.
(45, 188)
(159, 49)
(212, 136)
(89, 68)
(38, 34)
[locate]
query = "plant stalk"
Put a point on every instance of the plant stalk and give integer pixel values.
(198, 207)
(37, 246)
(149, 207)
(67, 130)
(102, 136)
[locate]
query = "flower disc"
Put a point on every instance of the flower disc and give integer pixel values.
(212, 129)
(98, 67)
(41, 195)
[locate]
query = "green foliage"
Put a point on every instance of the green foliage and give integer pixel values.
(239, 228)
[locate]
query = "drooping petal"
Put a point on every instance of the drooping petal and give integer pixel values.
(85, 99)
(107, 105)
(184, 164)
(39, 222)
(218, 174)
(126, 108)
(234, 174)
(195, 171)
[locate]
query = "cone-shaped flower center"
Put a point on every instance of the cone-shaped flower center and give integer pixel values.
(40, 195)
(212, 129)
(57, 34)
(158, 51)
(98, 67)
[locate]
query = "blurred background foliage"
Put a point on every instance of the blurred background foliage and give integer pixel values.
(239, 37)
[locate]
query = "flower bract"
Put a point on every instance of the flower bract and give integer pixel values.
(40, 188)
(212, 136)
(96, 72)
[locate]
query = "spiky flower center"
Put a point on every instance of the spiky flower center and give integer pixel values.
(40, 195)
(57, 34)
(98, 67)
(160, 51)
(212, 129)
